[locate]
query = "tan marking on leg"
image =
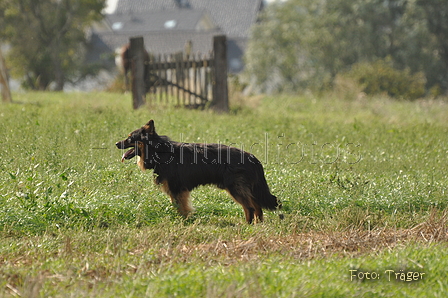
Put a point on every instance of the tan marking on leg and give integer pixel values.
(165, 187)
(181, 201)
(184, 203)
(141, 157)
(258, 213)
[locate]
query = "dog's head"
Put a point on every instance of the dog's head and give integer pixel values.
(137, 141)
(146, 144)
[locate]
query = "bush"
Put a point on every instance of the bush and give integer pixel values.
(381, 77)
(117, 85)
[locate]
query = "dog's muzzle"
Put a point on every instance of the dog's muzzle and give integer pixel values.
(128, 154)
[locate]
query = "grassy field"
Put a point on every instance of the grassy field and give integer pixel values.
(363, 185)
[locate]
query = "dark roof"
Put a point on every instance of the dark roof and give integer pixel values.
(165, 42)
(233, 17)
(128, 6)
(185, 19)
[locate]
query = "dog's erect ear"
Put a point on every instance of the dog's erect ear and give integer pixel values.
(149, 127)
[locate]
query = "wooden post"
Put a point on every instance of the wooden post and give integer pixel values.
(165, 76)
(220, 102)
(4, 81)
(136, 53)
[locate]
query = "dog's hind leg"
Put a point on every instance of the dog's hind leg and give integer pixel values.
(243, 196)
(249, 213)
(258, 212)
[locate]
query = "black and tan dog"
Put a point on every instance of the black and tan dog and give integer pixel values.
(180, 167)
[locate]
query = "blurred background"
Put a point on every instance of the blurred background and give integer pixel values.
(394, 47)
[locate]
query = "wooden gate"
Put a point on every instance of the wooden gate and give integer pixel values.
(185, 78)
(192, 81)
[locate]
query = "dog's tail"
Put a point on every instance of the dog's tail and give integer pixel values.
(262, 194)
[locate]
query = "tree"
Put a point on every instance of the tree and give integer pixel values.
(436, 12)
(302, 44)
(47, 38)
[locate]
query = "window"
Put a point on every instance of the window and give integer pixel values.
(170, 24)
(117, 26)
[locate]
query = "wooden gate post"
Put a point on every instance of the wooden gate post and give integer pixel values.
(136, 53)
(4, 81)
(220, 102)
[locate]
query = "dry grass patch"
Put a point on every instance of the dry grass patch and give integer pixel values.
(306, 246)
(310, 245)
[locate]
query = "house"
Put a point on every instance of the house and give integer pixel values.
(167, 26)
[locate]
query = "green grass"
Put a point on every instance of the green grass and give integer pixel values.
(363, 185)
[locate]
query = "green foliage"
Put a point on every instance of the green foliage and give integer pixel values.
(75, 221)
(303, 44)
(380, 77)
(68, 174)
(436, 16)
(47, 38)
